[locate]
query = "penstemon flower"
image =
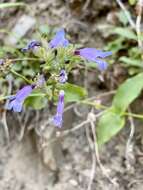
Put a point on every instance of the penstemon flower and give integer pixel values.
(1, 61)
(55, 73)
(58, 118)
(31, 45)
(16, 102)
(59, 40)
(92, 54)
(63, 76)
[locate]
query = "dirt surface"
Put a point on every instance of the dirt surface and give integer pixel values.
(22, 165)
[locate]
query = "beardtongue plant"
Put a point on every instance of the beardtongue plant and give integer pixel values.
(56, 60)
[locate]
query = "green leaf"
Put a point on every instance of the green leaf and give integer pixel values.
(128, 92)
(108, 126)
(36, 100)
(131, 62)
(44, 29)
(73, 93)
(28, 72)
(122, 17)
(8, 5)
(132, 2)
(90, 64)
(133, 71)
(116, 45)
(125, 32)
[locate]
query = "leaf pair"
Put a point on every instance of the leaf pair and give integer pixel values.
(113, 120)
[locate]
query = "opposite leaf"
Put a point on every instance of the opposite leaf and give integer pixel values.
(127, 93)
(73, 93)
(125, 32)
(36, 100)
(109, 125)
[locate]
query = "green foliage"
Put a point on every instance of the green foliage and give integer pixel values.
(116, 45)
(125, 51)
(44, 30)
(125, 33)
(131, 62)
(73, 93)
(28, 66)
(125, 47)
(122, 18)
(132, 2)
(109, 125)
(37, 100)
(113, 120)
(8, 5)
(128, 92)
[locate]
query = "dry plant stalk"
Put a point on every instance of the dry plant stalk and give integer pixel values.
(139, 8)
(129, 145)
(131, 22)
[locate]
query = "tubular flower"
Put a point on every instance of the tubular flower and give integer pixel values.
(1, 61)
(59, 40)
(16, 102)
(63, 76)
(58, 118)
(31, 45)
(92, 54)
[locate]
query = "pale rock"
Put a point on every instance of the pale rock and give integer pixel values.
(23, 25)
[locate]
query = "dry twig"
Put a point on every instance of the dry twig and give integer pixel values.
(86, 5)
(120, 3)
(4, 120)
(138, 22)
(92, 119)
(23, 125)
(129, 145)
(92, 174)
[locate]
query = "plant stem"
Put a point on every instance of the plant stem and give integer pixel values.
(25, 59)
(21, 76)
(100, 106)
(96, 105)
(139, 116)
(5, 97)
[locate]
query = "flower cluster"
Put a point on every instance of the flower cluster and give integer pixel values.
(59, 41)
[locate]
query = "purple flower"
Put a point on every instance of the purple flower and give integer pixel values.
(63, 76)
(16, 102)
(59, 40)
(1, 61)
(31, 45)
(58, 118)
(92, 54)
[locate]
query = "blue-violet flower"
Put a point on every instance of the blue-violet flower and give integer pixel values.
(59, 40)
(1, 61)
(63, 76)
(58, 118)
(17, 101)
(92, 54)
(31, 45)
